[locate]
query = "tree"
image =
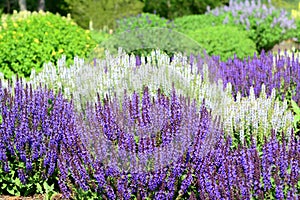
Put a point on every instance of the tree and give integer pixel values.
(22, 4)
(171, 9)
(102, 13)
(57, 6)
(41, 5)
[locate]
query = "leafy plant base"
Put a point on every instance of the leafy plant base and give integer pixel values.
(34, 197)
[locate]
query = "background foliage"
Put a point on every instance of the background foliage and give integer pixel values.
(224, 41)
(102, 13)
(144, 20)
(193, 22)
(28, 41)
(176, 8)
(266, 24)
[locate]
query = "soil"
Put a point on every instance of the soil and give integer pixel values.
(287, 44)
(35, 197)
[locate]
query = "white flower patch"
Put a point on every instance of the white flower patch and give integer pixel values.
(110, 76)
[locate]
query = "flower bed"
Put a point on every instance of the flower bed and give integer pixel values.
(149, 144)
(157, 127)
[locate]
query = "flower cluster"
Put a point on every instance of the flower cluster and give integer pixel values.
(95, 150)
(256, 117)
(274, 71)
(222, 173)
(257, 113)
(116, 73)
(266, 25)
(156, 131)
(242, 10)
(39, 129)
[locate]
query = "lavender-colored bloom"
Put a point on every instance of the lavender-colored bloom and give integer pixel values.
(154, 181)
(160, 195)
(110, 192)
(279, 188)
(22, 176)
(226, 20)
(221, 170)
(242, 11)
(66, 193)
(34, 125)
(138, 61)
(268, 69)
(186, 183)
(3, 156)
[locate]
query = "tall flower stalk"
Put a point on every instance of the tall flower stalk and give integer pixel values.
(255, 109)
(41, 126)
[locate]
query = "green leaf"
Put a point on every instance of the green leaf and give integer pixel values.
(12, 173)
(295, 107)
(18, 182)
(39, 188)
(17, 193)
(11, 191)
(47, 187)
(50, 101)
(183, 177)
(297, 118)
(4, 185)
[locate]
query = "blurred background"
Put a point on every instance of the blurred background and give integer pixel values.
(29, 39)
(104, 13)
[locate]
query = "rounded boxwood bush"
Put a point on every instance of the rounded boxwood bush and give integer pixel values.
(193, 22)
(266, 24)
(141, 31)
(224, 41)
(27, 40)
(144, 20)
(99, 37)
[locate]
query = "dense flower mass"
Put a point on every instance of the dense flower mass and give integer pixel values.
(156, 131)
(274, 71)
(256, 112)
(127, 126)
(266, 25)
(245, 9)
(118, 72)
(38, 128)
(39, 124)
(190, 75)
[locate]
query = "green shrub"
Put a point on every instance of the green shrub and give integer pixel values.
(267, 25)
(193, 22)
(102, 13)
(142, 42)
(266, 35)
(144, 20)
(27, 40)
(99, 51)
(146, 32)
(99, 36)
(224, 41)
(178, 8)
